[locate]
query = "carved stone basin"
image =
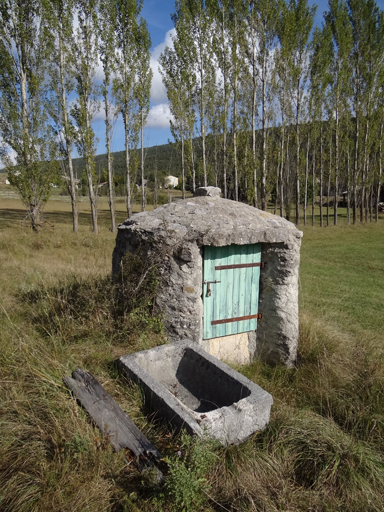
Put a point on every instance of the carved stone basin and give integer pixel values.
(191, 389)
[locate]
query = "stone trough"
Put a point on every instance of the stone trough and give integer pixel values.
(191, 389)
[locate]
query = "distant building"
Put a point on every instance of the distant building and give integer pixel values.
(171, 181)
(145, 183)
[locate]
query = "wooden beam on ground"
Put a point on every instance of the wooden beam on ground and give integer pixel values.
(111, 419)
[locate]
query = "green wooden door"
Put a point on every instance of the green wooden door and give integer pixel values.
(231, 289)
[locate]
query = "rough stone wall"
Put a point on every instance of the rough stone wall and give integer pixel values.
(180, 300)
(181, 271)
(277, 333)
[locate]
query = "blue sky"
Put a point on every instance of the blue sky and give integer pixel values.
(158, 16)
(157, 13)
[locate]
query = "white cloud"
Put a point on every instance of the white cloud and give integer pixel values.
(159, 116)
(100, 113)
(11, 154)
(158, 91)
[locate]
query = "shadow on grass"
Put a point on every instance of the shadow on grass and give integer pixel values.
(10, 217)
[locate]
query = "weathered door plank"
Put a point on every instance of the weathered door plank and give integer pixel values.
(110, 418)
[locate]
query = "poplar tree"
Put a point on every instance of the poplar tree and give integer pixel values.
(143, 89)
(283, 88)
(297, 22)
(380, 123)
(339, 72)
(193, 29)
(24, 126)
(366, 59)
(87, 104)
(234, 32)
(264, 15)
(319, 90)
(179, 83)
(107, 40)
(251, 47)
(61, 84)
(124, 81)
(220, 12)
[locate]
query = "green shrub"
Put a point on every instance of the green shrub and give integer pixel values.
(187, 482)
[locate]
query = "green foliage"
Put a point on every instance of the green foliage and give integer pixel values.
(187, 482)
(78, 445)
(24, 127)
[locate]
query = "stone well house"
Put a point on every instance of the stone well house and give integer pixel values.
(230, 275)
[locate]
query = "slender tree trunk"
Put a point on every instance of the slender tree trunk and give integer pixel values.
(363, 204)
(356, 169)
(313, 182)
(297, 161)
(276, 189)
(329, 179)
(156, 188)
(202, 116)
(288, 197)
(225, 78)
(33, 208)
(246, 168)
(370, 202)
(254, 94)
(368, 205)
(282, 169)
(203, 149)
(92, 196)
(336, 168)
(264, 135)
(224, 125)
(142, 161)
(127, 162)
(321, 172)
(182, 166)
(235, 169)
(216, 171)
(306, 182)
(72, 183)
(225, 159)
(193, 166)
(380, 173)
(109, 163)
(348, 186)
(89, 170)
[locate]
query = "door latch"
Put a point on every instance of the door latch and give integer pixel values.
(208, 283)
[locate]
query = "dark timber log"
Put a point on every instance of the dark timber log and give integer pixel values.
(111, 420)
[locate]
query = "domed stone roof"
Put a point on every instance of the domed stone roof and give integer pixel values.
(214, 221)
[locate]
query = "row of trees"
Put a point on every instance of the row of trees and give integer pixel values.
(60, 60)
(282, 109)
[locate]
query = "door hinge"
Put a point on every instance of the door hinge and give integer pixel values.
(236, 319)
(260, 264)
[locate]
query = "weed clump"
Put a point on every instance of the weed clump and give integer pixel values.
(187, 483)
(113, 309)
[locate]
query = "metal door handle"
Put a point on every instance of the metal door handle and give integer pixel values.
(208, 283)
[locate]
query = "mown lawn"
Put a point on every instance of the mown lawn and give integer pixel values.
(323, 449)
(342, 275)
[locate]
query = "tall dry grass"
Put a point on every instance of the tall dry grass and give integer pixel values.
(323, 448)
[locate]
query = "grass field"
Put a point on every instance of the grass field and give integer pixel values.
(322, 451)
